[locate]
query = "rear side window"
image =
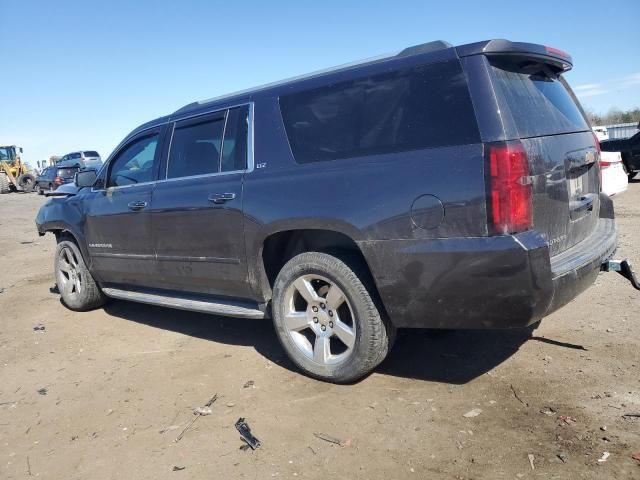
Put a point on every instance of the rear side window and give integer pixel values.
(66, 172)
(91, 153)
(412, 109)
(73, 156)
(198, 148)
(234, 150)
(195, 148)
(540, 102)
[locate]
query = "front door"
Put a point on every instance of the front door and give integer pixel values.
(118, 220)
(197, 209)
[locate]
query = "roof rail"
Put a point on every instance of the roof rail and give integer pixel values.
(425, 48)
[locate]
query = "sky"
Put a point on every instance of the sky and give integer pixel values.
(83, 74)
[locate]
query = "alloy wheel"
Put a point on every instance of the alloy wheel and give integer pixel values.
(319, 319)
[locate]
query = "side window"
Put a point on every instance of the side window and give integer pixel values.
(415, 108)
(195, 147)
(135, 163)
(234, 149)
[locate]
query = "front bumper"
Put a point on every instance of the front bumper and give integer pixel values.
(487, 282)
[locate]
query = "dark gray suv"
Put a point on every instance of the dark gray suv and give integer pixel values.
(440, 187)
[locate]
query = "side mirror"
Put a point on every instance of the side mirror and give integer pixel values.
(86, 178)
(20, 149)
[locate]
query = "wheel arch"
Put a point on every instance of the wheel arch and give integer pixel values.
(281, 246)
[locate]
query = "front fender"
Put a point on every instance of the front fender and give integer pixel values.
(64, 215)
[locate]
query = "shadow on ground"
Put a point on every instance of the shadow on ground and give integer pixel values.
(440, 356)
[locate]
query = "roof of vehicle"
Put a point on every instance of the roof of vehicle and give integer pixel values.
(558, 57)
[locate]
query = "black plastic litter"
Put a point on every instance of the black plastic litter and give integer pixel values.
(245, 433)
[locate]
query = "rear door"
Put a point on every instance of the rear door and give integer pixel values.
(118, 221)
(197, 209)
(539, 108)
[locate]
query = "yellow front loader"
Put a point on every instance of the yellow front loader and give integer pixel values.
(14, 175)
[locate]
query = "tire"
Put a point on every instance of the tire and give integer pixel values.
(630, 173)
(4, 183)
(77, 287)
(26, 182)
(40, 190)
(338, 333)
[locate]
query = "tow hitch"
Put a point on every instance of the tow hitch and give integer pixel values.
(623, 267)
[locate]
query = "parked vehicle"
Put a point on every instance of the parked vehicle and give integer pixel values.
(630, 150)
(86, 159)
(53, 177)
(614, 176)
(441, 187)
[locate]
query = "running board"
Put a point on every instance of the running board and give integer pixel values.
(226, 309)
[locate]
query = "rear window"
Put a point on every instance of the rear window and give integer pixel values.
(67, 172)
(411, 109)
(91, 153)
(540, 102)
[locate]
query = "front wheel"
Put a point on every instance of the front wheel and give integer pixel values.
(26, 182)
(77, 287)
(327, 320)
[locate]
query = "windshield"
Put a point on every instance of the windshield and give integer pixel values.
(7, 154)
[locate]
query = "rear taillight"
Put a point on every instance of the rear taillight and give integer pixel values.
(57, 181)
(509, 186)
(598, 161)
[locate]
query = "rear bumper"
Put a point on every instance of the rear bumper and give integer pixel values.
(488, 282)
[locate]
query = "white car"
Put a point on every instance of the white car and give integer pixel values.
(614, 177)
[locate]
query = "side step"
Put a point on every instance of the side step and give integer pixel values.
(227, 309)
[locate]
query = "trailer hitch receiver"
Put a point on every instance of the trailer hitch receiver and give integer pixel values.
(623, 267)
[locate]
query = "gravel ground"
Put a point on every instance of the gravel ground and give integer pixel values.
(104, 394)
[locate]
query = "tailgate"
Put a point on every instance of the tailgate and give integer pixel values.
(560, 146)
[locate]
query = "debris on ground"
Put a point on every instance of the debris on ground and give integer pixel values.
(548, 411)
(563, 457)
(473, 413)
(197, 414)
(336, 441)
(249, 384)
(603, 428)
(531, 459)
(604, 457)
(231, 404)
(245, 432)
(567, 419)
(636, 456)
(43, 391)
(177, 468)
(631, 415)
(202, 411)
(38, 327)
(515, 394)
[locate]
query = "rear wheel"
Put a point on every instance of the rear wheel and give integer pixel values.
(26, 182)
(630, 173)
(4, 183)
(327, 319)
(77, 287)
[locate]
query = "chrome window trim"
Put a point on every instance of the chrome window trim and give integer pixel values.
(172, 122)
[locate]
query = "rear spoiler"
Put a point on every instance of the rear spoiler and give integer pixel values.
(554, 57)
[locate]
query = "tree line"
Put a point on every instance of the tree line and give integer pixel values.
(614, 116)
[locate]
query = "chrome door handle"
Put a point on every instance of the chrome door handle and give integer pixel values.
(219, 198)
(138, 205)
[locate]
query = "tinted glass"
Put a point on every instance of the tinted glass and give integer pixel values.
(421, 107)
(66, 172)
(91, 153)
(135, 163)
(540, 102)
(234, 150)
(74, 155)
(195, 148)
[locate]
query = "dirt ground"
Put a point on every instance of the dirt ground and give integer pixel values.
(121, 383)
